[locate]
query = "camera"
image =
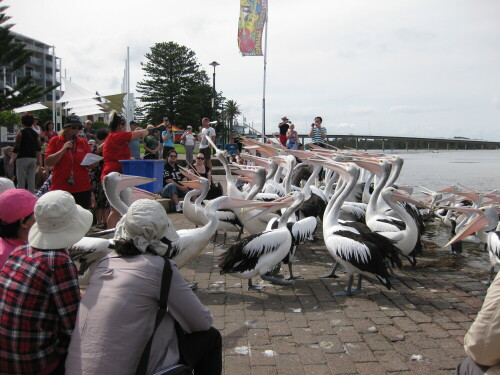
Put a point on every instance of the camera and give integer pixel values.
(312, 125)
(70, 181)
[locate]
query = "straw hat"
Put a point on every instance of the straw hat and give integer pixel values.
(60, 222)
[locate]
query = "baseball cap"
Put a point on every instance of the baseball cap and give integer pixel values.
(72, 120)
(16, 204)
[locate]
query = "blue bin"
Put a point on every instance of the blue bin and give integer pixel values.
(146, 168)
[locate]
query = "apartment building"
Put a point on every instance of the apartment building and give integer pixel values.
(42, 66)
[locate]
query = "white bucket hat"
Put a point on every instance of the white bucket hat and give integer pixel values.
(146, 223)
(6, 184)
(60, 222)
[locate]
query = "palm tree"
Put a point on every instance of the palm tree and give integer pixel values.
(232, 110)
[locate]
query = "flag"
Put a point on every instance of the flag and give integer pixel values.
(253, 17)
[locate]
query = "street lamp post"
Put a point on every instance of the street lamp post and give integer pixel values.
(214, 64)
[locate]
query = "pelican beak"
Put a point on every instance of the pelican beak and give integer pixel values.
(212, 143)
(369, 165)
(398, 196)
(126, 181)
(231, 203)
(194, 184)
(476, 224)
(448, 189)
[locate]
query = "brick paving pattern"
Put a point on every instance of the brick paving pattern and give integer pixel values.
(415, 328)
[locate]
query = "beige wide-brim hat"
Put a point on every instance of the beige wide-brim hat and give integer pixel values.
(60, 222)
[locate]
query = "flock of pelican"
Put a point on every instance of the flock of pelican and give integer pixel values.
(370, 225)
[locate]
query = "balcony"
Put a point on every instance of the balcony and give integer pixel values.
(35, 60)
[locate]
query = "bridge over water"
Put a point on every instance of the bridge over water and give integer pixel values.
(383, 142)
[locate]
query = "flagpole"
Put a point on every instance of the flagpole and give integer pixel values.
(264, 83)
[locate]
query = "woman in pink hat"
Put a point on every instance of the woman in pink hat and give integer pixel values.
(16, 219)
(40, 294)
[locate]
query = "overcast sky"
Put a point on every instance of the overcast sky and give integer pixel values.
(413, 67)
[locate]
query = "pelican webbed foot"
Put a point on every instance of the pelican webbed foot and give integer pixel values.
(332, 272)
(275, 281)
(251, 286)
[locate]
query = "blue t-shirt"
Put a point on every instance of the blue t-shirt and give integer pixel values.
(232, 148)
(169, 141)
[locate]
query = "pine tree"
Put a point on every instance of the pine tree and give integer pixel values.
(174, 86)
(12, 57)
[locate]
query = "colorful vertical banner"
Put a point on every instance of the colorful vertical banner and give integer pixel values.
(253, 17)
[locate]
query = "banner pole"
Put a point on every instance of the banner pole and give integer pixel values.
(264, 83)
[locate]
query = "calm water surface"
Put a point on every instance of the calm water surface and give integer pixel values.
(479, 170)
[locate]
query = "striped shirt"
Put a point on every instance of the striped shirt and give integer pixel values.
(39, 300)
(316, 136)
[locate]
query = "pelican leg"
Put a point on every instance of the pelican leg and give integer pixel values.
(358, 288)
(224, 239)
(239, 234)
(253, 287)
(275, 270)
(275, 281)
(214, 238)
(348, 289)
(393, 274)
(291, 276)
(492, 272)
(332, 273)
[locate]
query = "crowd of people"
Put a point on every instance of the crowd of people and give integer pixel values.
(46, 327)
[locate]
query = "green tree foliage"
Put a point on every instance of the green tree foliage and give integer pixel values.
(231, 110)
(12, 57)
(9, 119)
(174, 86)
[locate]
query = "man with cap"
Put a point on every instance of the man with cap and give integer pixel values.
(16, 219)
(26, 153)
(88, 131)
(135, 147)
(283, 127)
(65, 154)
(40, 294)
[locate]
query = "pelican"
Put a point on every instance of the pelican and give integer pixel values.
(486, 224)
(362, 253)
(259, 253)
(89, 250)
(191, 242)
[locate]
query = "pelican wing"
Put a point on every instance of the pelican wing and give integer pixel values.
(303, 229)
(87, 253)
(362, 252)
(244, 255)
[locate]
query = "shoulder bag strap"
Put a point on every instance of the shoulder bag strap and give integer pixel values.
(164, 291)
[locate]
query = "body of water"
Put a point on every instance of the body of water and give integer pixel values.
(476, 169)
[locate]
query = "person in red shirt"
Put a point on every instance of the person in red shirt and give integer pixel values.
(115, 149)
(65, 154)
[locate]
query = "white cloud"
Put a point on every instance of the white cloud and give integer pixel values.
(415, 109)
(346, 126)
(362, 110)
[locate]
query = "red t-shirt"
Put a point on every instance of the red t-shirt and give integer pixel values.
(115, 149)
(72, 158)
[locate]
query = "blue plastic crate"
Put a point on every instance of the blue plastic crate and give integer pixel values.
(145, 168)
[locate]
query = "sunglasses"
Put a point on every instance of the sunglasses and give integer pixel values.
(200, 158)
(172, 156)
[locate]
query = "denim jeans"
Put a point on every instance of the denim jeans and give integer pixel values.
(171, 189)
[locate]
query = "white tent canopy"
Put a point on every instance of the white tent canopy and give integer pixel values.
(89, 110)
(74, 92)
(82, 103)
(30, 107)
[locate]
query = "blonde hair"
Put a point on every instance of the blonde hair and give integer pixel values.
(150, 126)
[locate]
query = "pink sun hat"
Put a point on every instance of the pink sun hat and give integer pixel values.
(16, 204)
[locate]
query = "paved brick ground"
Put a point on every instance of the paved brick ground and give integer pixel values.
(415, 328)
